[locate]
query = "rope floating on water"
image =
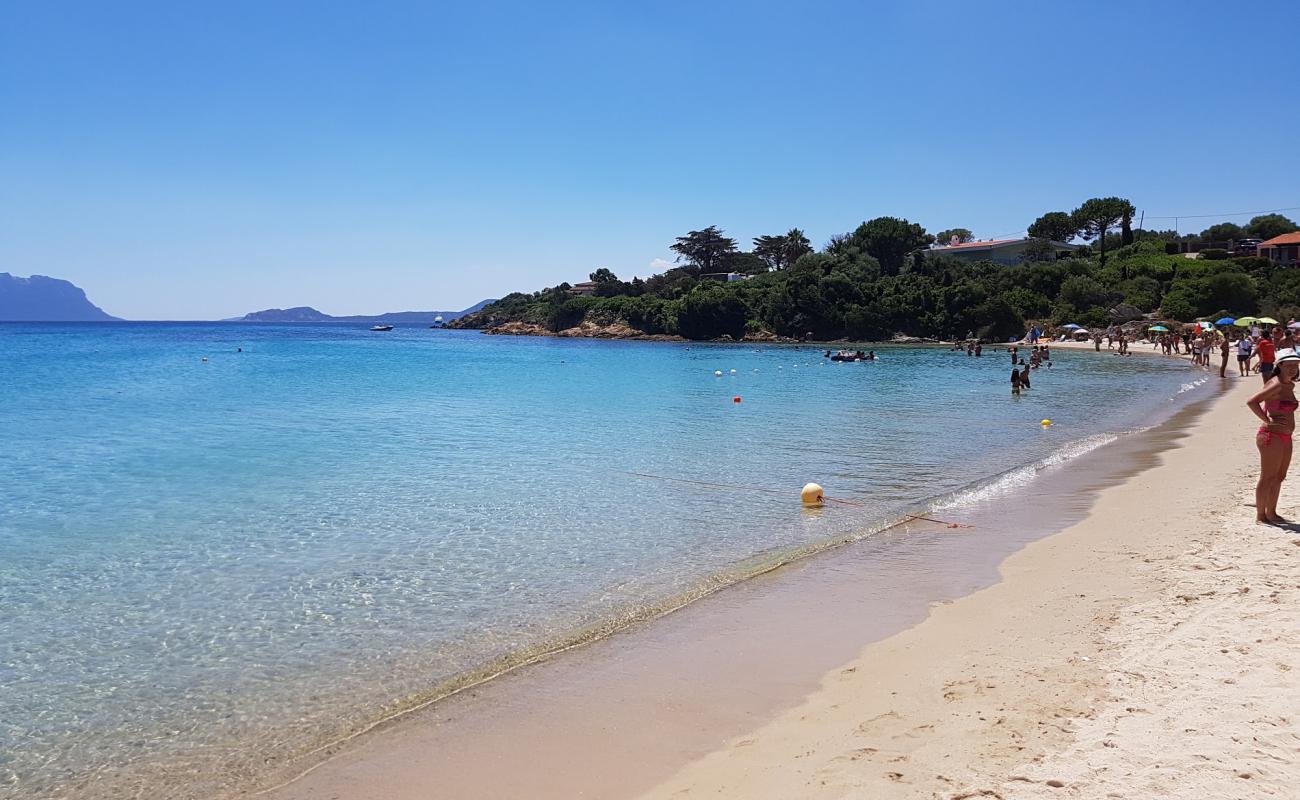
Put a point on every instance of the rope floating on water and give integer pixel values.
(766, 490)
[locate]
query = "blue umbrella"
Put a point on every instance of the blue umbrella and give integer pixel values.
(1071, 326)
(1225, 321)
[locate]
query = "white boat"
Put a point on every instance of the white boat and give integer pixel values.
(381, 327)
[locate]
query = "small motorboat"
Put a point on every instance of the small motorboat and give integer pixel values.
(381, 327)
(850, 355)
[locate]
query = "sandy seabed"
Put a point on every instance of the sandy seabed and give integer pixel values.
(1150, 650)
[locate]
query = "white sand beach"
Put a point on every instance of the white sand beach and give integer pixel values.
(1150, 651)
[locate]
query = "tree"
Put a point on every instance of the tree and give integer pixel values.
(780, 252)
(962, 235)
(1267, 226)
(1056, 226)
(603, 275)
(889, 240)
(1098, 215)
(796, 246)
(704, 250)
(712, 310)
(1126, 226)
(1223, 232)
(1039, 250)
(745, 263)
(1083, 292)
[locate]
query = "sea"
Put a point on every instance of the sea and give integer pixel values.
(224, 546)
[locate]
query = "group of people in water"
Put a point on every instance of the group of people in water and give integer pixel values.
(1040, 355)
(851, 355)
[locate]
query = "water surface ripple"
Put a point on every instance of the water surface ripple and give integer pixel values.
(209, 567)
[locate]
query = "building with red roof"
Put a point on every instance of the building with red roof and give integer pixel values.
(1284, 249)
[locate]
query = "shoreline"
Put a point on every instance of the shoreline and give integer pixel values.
(364, 766)
(1147, 650)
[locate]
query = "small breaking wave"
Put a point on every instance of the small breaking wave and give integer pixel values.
(1003, 483)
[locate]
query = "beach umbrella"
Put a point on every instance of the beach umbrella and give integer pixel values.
(1071, 326)
(1294, 325)
(1245, 322)
(1160, 328)
(1225, 321)
(1266, 321)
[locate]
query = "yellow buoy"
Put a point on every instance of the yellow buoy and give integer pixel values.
(1047, 423)
(812, 495)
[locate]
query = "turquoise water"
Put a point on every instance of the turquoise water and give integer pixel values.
(208, 567)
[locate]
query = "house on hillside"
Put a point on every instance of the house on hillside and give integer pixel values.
(1284, 249)
(583, 289)
(999, 251)
(725, 277)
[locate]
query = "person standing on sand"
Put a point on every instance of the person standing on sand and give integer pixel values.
(1265, 351)
(1275, 405)
(1223, 353)
(1244, 351)
(1282, 339)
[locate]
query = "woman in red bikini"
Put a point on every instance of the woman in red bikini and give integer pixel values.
(1275, 405)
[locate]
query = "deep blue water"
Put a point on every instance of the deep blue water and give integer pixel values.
(206, 565)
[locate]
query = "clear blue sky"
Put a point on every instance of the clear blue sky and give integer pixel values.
(200, 160)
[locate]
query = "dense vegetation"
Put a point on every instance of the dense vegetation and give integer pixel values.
(880, 280)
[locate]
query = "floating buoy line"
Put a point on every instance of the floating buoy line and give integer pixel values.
(811, 495)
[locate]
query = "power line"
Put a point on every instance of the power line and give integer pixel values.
(1182, 217)
(1226, 214)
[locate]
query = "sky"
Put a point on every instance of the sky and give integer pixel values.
(204, 160)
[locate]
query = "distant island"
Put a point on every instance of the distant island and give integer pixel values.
(40, 298)
(43, 299)
(309, 314)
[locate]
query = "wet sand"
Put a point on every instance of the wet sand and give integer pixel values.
(1149, 651)
(663, 704)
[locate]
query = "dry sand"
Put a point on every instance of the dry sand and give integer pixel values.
(1152, 650)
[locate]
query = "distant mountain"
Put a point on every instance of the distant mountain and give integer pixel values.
(309, 314)
(42, 299)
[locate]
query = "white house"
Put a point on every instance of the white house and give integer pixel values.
(999, 251)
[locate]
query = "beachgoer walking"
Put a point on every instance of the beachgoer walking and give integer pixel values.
(1275, 405)
(1265, 352)
(1244, 351)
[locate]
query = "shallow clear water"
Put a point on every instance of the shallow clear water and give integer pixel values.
(208, 567)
